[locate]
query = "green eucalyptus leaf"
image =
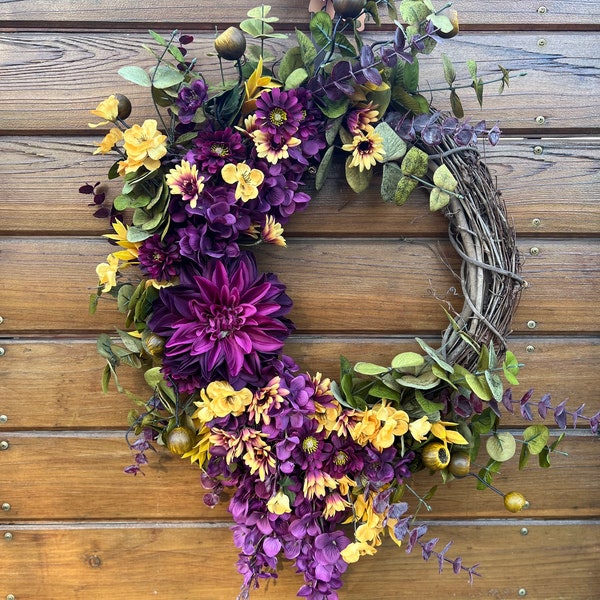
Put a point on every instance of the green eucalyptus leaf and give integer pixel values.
(261, 12)
(544, 458)
(159, 39)
(154, 377)
(358, 180)
(334, 109)
(131, 342)
(438, 199)
(257, 28)
(106, 373)
(135, 234)
(407, 360)
(428, 406)
(536, 437)
(366, 368)
(391, 175)
(442, 22)
(425, 381)
(135, 75)
(344, 45)
(291, 61)
(124, 297)
(411, 76)
(413, 11)
(393, 145)
(524, 457)
(93, 304)
(435, 355)
(406, 186)
(415, 103)
(163, 77)
(415, 162)
(125, 201)
(501, 446)
(382, 391)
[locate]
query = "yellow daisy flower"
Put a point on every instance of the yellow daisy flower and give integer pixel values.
(367, 149)
(120, 236)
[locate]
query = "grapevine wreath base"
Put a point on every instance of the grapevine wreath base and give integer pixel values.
(317, 470)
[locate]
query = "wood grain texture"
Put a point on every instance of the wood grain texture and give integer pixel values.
(45, 284)
(181, 563)
(63, 376)
(79, 478)
(65, 75)
(207, 14)
(558, 186)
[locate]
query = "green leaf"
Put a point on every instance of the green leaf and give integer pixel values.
(416, 162)
(176, 53)
(380, 390)
(393, 144)
(510, 367)
(332, 129)
(524, 457)
(442, 22)
(501, 446)
(261, 12)
(136, 75)
(366, 368)
(438, 199)
(407, 360)
(334, 109)
(307, 50)
(124, 297)
(296, 78)
(257, 28)
(416, 103)
(164, 76)
(544, 458)
(425, 381)
(449, 70)
(495, 384)
(135, 234)
(472, 68)
(132, 343)
(557, 441)
(159, 39)
(291, 61)
(487, 473)
(411, 76)
(535, 438)
(428, 406)
(479, 385)
(435, 355)
(323, 169)
(93, 304)
(106, 373)
(390, 177)
(358, 180)
(125, 201)
(443, 178)
(456, 105)
(413, 11)
(321, 27)
(154, 377)
(345, 46)
(478, 85)
(406, 186)
(371, 9)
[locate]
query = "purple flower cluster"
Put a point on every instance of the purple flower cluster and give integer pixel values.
(294, 480)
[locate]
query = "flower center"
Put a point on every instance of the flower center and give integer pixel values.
(365, 147)
(219, 149)
(224, 321)
(278, 116)
(310, 445)
(340, 458)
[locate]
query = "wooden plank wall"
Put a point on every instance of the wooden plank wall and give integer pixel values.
(363, 277)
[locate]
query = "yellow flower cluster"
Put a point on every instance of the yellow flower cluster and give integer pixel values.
(220, 399)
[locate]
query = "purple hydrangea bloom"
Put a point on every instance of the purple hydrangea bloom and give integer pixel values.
(190, 99)
(224, 322)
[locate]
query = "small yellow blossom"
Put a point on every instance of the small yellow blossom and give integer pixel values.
(367, 428)
(219, 399)
(279, 504)
(420, 428)
(107, 272)
(129, 165)
(109, 142)
(120, 236)
(353, 551)
(145, 145)
(108, 110)
(367, 149)
(247, 180)
(272, 232)
(447, 435)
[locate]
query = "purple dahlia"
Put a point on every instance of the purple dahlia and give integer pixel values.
(213, 149)
(225, 322)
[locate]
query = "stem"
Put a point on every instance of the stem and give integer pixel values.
(468, 85)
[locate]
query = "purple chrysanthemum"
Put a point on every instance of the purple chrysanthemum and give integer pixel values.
(224, 322)
(190, 99)
(212, 149)
(159, 259)
(279, 113)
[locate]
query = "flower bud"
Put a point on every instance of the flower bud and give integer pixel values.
(180, 440)
(435, 456)
(349, 9)
(231, 44)
(124, 107)
(515, 501)
(460, 464)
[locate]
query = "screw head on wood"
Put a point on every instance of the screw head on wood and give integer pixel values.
(536, 222)
(540, 120)
(4, 445)
(2, 351)
(3, 418)
(522, 592)
(542, 42)
(532, 324)
(5, 506)
(538, 149)
(534, 251)
(8, 535)
(530, 348)
(542, 10)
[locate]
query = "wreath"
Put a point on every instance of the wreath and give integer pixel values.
(318, 469)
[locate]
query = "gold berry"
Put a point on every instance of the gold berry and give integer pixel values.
(152, 344)
(231, 44)
(515, 501)
(180, 440)
(460, 464)
(435, 456)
